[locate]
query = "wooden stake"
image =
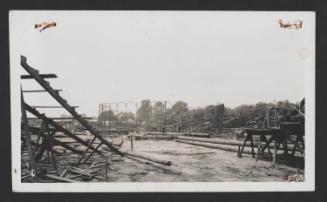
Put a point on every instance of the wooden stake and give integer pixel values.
(258, 150)
(239, 151)
(132, 146)
(48, 137)
(275, 154)
(39, 136)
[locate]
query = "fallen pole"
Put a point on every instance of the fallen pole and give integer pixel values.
(212, 146)
(220, 141)
(164, 162)
(43, 76)
(52, 107)
(178, 134)
(38, 91)
(154, 165)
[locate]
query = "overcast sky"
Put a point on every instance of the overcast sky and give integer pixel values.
(199, 57)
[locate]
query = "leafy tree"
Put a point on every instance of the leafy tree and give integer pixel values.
(144, 112)
(158, 113)
(179, 110)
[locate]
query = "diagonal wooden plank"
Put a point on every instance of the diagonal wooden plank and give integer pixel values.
(57, 126)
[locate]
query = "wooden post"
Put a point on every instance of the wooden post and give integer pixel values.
(258, 150)
(27, 136)
(275, 154)
(48, 155)
(39, 136)
(297, 164)
(218, 118)
(48, 137)
(252, 146)
(132, 146)
(106, 170)
(239, 151)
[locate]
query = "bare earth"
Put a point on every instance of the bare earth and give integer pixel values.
(197, 164)
(194, 163)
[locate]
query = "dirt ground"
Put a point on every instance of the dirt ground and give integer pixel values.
(195, 164)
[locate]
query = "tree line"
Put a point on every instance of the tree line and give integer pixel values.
(157, 116)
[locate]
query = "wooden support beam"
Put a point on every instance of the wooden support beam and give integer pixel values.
(27, 136)
(42, 150)
(39, 91)
(43, 76)
(40, 133)
(214, 140)
(92, 153)
(59, 118)
(86, 149)
(57, 126)
(55, 107)
(48, 137)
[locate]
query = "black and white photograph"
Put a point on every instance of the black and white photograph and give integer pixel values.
(146, 101)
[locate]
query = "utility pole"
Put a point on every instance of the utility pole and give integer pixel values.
(221, 108)
(108, 116)
(136, 117)
(117, 116)
(165, 113)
